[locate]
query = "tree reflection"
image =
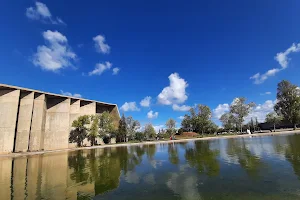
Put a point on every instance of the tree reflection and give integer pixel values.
(249, 162)
(109, 170)
(102, 167)
(77, 162)
(150, 150)
(202, 158)
(173, 153)
(292, 153)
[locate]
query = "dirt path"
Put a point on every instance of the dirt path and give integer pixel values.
(12, 155)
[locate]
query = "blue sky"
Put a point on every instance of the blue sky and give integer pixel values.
(179, 53)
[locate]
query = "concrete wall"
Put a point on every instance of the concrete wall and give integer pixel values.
(87, 108)
(74, 114)
(57, 123)
(36, 138)
(9, 102)
(74, 110)
(24, 121)
(33, 120)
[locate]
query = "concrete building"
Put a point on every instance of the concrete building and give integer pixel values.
(32, 120)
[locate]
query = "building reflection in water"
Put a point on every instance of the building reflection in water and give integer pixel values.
(187, 170)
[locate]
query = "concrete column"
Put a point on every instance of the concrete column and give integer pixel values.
(57, 123)
(24, 121)
(19, 178)
(74, 110)
(87, 108)
(9, 102)
(74, 114)
(115, 115)
(36, 138)
(5, 178)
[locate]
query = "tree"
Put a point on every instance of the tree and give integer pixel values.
(288, 102)
(94, 130)
(149, 131)
(122, 131)
(132, 126)
(170, 124)
(273, 118)
(186, 123)
(228, 121)
(256, 123)
(240, 110)
(203, 118)
(212, 128)
(80, 132)
(139, 136)
(106, 124)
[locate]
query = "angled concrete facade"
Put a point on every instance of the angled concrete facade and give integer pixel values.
(32, 120)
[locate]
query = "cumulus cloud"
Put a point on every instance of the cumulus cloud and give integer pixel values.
(41, 12)
(100, 45)
(152, 115)
(146, 101)
(100, 68)
(129, 106)
(56, 54)
(220, 110)
(181, 117)
(181, 108)
(116, 70)
(283, 60)
(261, 110)
(70, 94)
(175, 93)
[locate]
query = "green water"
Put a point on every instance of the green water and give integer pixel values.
(244, 168)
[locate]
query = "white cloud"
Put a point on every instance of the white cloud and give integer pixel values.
(175, 93)
(100, 44)
(282, 57)
(42, 13)
(265, 93)
(261, 110)
(56, 54)
(70, 94)
(283, 60)
(181, 108)
(146, 101)
(220, 110)
(152, 115)
(181, 117)
(100, 68)
(116, 70)
(129, 106)
(260, 78)
(158, 127)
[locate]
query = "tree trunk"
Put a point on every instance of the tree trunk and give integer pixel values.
(274, 128)
(295, 126)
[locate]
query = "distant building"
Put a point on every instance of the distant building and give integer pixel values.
(32, 120)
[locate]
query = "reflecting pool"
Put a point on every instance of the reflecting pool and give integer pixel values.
(265, 167)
